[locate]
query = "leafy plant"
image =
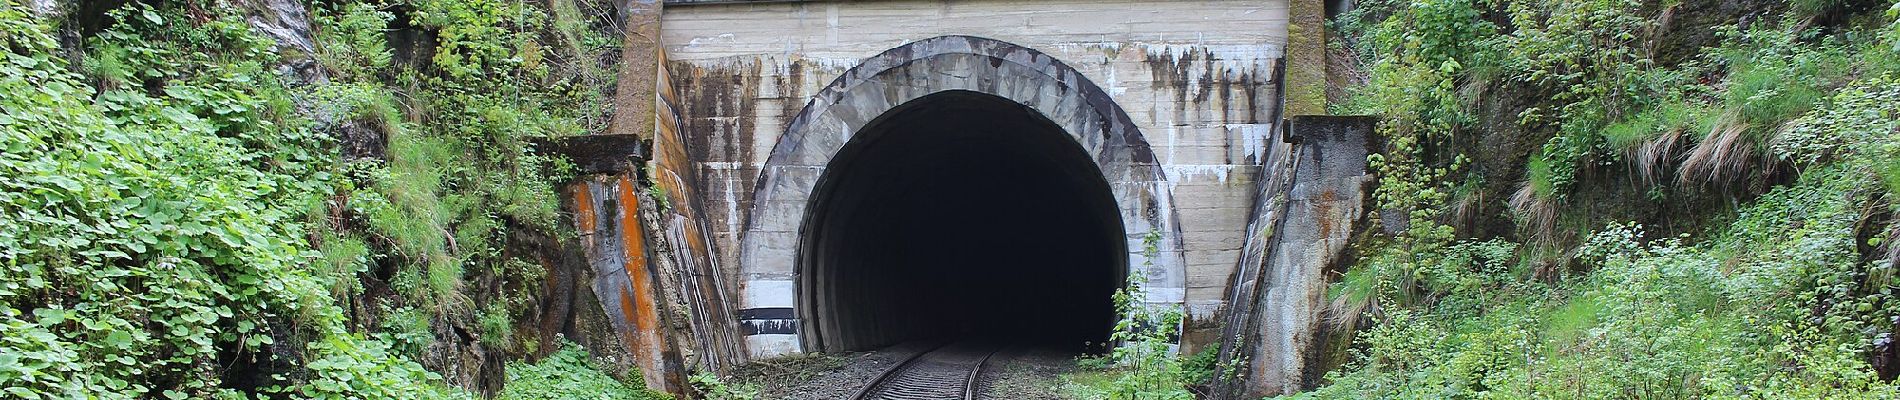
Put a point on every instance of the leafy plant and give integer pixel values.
(179, 221)
(1789, 295)
(713, 388)
(568, 373)
(1143, 360)
(155, 231)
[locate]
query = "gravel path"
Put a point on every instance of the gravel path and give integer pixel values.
(1025, 374)
(820, 376)
(1013, 374)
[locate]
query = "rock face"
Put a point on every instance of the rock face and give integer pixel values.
(45, 9)
(285, 21)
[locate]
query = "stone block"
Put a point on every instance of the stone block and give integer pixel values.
(777, 216)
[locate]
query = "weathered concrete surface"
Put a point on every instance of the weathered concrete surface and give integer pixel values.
(882, 82)
(1305, 220)
(1306, 58)
(594, 154)
(687, 247)
(1193, 78)
(640, 59)
(608, 210)
(650, 265)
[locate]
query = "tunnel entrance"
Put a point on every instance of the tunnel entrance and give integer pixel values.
(959, 214)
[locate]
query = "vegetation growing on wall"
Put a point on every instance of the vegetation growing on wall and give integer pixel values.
(1778, 135)
(192, 213)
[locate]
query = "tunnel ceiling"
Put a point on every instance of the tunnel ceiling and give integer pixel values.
(959, 214)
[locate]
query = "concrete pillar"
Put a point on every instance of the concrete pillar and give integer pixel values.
(639, 69)
(1306, 58)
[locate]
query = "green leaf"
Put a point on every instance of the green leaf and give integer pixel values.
(50, 316)
(119, 339)
(22, 392)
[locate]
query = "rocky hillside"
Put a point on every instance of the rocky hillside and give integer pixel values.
(238, 198)
(1624, 199)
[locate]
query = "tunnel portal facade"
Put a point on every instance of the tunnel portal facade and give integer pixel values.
(840, 176)
(1174, 115)
(1008, 165)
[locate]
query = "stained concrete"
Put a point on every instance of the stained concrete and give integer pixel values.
(1306, 216)
(1176, 110)
(1086, 114)
(1193, 78)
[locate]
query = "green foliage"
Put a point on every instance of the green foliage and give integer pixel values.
(1425, 53)
(1200, 368)
(1785, 299)
(712, 388)
(177, 215)
(406, 329)
(569, 373)
(1892, 35)
(1589, 55)
(659, 196)
(1143, 363)
(349, 367)
(1775, 76)
(1859, 120)
(1654, 320)
(155, 227)
(481, 37)
(352, 40)
(457, 175)
(1647, 126)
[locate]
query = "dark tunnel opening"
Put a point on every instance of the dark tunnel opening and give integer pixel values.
(955, 215)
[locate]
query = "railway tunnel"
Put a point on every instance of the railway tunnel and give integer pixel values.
(960, 214)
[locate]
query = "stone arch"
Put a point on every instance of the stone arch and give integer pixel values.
(769, 246)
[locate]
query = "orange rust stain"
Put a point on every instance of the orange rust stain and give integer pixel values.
(630, 230)
(693, 241)
(584, 218)
(637, 303)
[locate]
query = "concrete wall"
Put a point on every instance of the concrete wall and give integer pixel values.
(1314, 200)
(1194, 77)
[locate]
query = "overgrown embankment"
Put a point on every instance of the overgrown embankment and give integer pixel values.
(246, 198)
(1624, 199)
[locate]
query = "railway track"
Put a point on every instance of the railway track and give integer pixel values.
(947, 372)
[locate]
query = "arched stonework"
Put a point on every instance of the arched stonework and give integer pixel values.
(769, 244)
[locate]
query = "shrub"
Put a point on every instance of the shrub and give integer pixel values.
(713, 388)
(1788, 295)
(155, 237)
(568, 373)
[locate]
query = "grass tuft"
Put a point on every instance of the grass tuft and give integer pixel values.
(1726, 156)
